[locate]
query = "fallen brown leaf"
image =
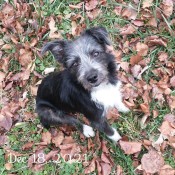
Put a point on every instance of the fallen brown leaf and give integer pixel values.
(53, 29)
(8, 166)
(163, 56)
(27, 146)
(167, 7)
(3, 140)
(147, 3)
(106, 168)
(136, 69)
(90, 168)
(104, 158)
(128, 29)
(2, 76)
(145, 108)
(152, 22)
(77, 6)
(130, 147)
(135, 59)
(58, 139)
(119, 170)
(155, 40)
(46, 137)
(118, 10)
(25, 57)
(142, 49)
(167, 170)
(138, 22)
(167, 130)
(129, 13)
(172, 81)
(125, 66)
(152, 162)
(93, 14)
(90, 5)
(5, 122)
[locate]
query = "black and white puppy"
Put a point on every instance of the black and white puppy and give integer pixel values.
(87, 85)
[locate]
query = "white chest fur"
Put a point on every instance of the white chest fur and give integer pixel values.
(107, 95)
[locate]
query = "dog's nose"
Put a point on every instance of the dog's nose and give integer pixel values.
(92, 77)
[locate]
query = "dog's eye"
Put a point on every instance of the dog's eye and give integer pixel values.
(75, 64)
(95, 54)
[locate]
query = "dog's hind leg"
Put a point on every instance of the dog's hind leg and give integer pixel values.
(49, 116)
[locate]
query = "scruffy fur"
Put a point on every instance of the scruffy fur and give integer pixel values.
(87, 85)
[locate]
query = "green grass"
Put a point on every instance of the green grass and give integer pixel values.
(128, 124)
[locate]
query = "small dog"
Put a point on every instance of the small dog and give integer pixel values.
(87, 85)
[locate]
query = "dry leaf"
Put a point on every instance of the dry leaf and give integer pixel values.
(129, 13)
(135, 59)
(145, 108)
(90, 5)
(3, 140)
(118, 10)
(142, 49)
(2, 76)
(74, 27)
(6, 47)
(46, 137)
(25, 57)
(106, 168)
(128, 29)
(155, 40)
(53, 29)
(125, 66)
(167, 170)
(5, 122)
(104, 158)
(98, 167)
(170, 118)
(152, 22)
(58, 139)
(138, 23)
(163, 56)
(8, 166)
(27, 146)
(167, 7)
(147, 3)
(119, 170)
(172, 81)
(136, 69)
(152, 162)
(130, 147)
(33, 90)
(77, 6)
(90, 168)
(93, 14)
(166, 129)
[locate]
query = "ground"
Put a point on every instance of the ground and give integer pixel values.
(143, 39)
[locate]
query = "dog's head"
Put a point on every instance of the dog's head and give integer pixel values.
(86, 57)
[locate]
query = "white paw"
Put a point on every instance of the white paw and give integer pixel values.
(123, 108)
(115, 137)
(88, 131)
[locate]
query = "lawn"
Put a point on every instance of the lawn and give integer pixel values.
(143, 40)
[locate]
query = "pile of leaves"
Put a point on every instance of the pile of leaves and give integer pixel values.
(143, 34)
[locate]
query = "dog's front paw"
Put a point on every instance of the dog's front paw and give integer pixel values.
(88, 131)
(115, 137)
(122, 108)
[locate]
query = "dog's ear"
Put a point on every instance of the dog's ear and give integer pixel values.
(100, 34)
(56, 48)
